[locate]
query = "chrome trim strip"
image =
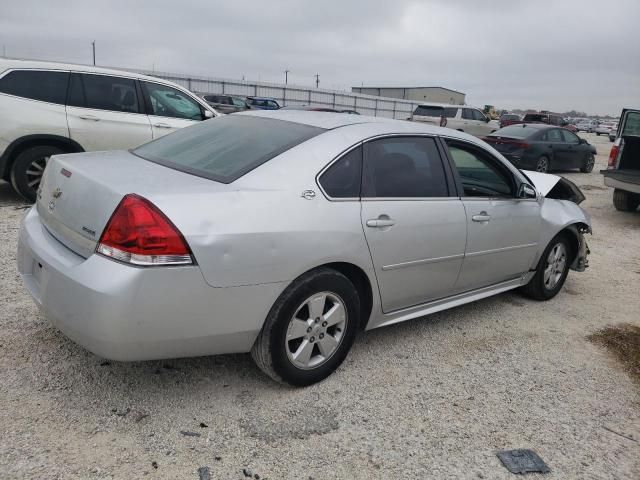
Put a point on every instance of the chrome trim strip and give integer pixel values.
(408, 199)
(422, 262)
(499, 250)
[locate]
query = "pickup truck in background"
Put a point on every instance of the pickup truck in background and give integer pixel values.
(623, 170)
(548, 118)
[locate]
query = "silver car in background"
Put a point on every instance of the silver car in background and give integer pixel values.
(285, 233)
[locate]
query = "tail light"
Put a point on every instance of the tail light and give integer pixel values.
(140, 234)
(613, 156)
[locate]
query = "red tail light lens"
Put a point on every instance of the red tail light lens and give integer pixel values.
(140, 234)
(613, 156)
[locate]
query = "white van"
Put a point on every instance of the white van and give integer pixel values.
(458, 117)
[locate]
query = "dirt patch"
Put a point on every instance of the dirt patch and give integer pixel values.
(623, 341)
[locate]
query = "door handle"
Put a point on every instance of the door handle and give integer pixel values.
(481, 217)
(380, 222)
(162, 125)
(90, 117)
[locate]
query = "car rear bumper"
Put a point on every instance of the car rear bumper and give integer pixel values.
(129, 313)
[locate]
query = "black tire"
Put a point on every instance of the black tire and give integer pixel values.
(589, 162)
(536, 288)
(542, 165)
(270, 348)
(30, 160)
(625, 201)
(598, 134)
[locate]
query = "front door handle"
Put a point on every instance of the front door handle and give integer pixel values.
(162, 125)
(90, 117)
(380, 222)
(481, 217)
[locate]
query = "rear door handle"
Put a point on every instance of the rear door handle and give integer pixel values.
(90, 117)
(380, 222)
(481, 217)
(162, 125)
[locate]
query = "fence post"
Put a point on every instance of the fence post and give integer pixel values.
(334, 100)
(375, 111)
(309, 101)
(189, 83)
(284, 97)
(222, 87)
(394, 109)
(255, 89)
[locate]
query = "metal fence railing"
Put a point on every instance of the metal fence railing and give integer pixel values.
(294, 95)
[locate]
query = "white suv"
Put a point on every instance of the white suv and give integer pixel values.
(459, 117)
(50, 108)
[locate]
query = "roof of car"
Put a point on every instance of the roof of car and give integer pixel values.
(12, 63)
(327, 120)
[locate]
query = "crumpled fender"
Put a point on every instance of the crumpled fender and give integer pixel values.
(554, 186)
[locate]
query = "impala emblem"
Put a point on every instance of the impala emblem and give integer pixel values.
(57, 193)
(308, 194)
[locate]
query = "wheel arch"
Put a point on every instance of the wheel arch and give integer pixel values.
(21, 144)
(579, 250)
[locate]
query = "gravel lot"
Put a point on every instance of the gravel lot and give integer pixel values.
(433, 398)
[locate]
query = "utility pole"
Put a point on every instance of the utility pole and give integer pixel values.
(93, 45)
(317, 79)
(286, 76)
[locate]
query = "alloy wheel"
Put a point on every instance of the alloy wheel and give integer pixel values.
(35, 172)
(555, 266)
(316, 330)
(543, 165)
(591, 160)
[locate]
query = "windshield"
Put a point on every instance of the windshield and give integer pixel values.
(225, 148)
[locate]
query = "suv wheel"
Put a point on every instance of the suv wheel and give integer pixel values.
(28, 168)
(552, 270)
(589, 162)
(625, 201)
(310, 329)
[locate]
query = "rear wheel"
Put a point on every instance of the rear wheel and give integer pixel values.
(310, 329)
(28, 168)
(552, 270)
(589, 162)
(543, 164)
(625, 201)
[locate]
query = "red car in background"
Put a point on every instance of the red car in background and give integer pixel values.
(549, 119)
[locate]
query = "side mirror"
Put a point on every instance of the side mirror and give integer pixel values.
(487, 118)
(527, 191)
(583, 141)
(208, 114)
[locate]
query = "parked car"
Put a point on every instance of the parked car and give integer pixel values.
(548, 119)
(508, 119)
(603, 128)
(260, 103)
(543, 148)
(586, 126)
(623, 170)
(318, 109)
(613, 132)
(458, 117)
(213, 241)
(226, 103)
(52, 108)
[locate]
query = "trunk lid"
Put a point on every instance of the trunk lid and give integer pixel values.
(79, 192)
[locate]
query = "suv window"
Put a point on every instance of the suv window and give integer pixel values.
(450, 112)
(427, 111)
(481, 175)
(403, 167)
(478, 115)
(37, 85)
(166, 101)
(569, 136)
(343, 178)
(103, 92)
(467, 113)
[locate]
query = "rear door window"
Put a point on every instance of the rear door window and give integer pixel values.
(553, 135)
(46, 86)
(104, 92)
(403, 167)
(343, 178)
(569, 137)
(467, 113)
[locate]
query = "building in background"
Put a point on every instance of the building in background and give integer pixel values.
(415, 94)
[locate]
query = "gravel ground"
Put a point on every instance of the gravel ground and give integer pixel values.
(432, 398)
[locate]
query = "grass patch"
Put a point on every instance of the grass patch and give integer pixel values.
(623, 342)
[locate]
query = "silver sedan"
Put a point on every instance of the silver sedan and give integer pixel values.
(286, 233)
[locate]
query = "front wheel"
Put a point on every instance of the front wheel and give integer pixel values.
(310, 329)
(589, 162)
(28, 168)
(552, 270)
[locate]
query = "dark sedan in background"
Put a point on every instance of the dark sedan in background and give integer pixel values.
(543, 148)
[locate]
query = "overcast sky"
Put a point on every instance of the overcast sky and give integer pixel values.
(544, 54)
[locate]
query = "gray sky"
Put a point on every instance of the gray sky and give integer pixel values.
(545, 54)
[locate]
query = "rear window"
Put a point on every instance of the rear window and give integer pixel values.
(225, 148)
(533, 117)
(36, 84)
(515, 131)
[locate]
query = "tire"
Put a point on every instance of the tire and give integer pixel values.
(542, 165)
(28, 167)
(597, 134)
(274, 354)
(542, 288)
(625, 201)
(589, 162)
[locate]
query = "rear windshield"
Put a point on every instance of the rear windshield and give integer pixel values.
(515, 131)
(534, 117)
(509, 116)
(225, 148)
